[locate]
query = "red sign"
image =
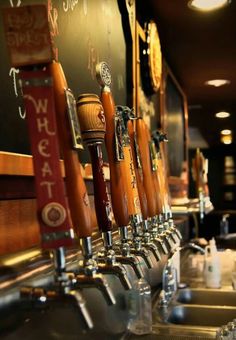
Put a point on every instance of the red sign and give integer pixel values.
(52, 207)
(27, 35)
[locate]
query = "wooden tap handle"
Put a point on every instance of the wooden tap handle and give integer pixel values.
(158, 189)
(91, 117)
(75, 185)
(138, 171)
(101, 198)
(161, 164)
(134, 207)
(198, 171)
(146, 164)
(93, 125)
(118, 192)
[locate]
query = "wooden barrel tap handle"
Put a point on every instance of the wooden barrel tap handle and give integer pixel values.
(93, 127)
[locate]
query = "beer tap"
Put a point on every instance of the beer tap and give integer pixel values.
(158, 139)
(163, 226)
(199, 174)
(140, 235)
(93, 127)
(68, 127)
(152, 194)
(33, 61)
(119, 193)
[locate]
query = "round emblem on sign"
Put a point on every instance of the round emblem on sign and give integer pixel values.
(53, 214)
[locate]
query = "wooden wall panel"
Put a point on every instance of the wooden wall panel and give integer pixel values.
(19, 228)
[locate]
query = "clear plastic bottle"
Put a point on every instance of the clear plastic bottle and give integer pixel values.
(140, 308)
(212, 266)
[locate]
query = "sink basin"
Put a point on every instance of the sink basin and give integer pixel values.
(207, 297)
(201, 315)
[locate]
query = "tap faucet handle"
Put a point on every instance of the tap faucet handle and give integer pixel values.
(113, 147)
(93, 126)
(147, 167)
(75, 185)
(91, 117)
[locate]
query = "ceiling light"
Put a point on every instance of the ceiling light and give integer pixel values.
(222, 114)
(226, 136)
(226, 132)
(217, 82)
(207, 5)
(226, 139)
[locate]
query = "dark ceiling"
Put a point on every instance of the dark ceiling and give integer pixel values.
(200, 46)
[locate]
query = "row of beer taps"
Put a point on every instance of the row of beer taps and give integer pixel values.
(139, 199)
(143, 217)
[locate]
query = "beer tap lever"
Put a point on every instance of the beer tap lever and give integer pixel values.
(93, 127)
(119, 193)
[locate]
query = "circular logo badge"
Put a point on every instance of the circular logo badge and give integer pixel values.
(53, 214)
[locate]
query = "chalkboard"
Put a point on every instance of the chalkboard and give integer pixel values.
(85, 32)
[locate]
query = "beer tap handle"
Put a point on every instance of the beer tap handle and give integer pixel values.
(75, 185)
(158, 139)
(124, 113)
(147, 168)
(93, 127)
(158, 189)
(114, 149)
(92, 122)
(138, 169)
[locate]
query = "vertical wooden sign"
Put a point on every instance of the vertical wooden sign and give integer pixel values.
(29, 44)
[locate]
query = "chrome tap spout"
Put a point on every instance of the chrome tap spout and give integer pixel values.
(115, 269)
(98, 281)
(144, 253)
(131, 261)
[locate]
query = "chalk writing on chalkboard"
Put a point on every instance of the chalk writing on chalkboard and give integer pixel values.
(69, 5)
(83, 33)
(93, 58)
(14, 71)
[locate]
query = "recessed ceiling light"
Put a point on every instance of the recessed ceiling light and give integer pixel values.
(226, 139)
(217, 82)
(207, 5)
(226, 132)
(222, 114)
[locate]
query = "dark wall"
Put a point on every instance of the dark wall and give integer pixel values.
(85, 33)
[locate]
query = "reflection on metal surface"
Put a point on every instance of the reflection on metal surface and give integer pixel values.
(201, 315)
(207, 297)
